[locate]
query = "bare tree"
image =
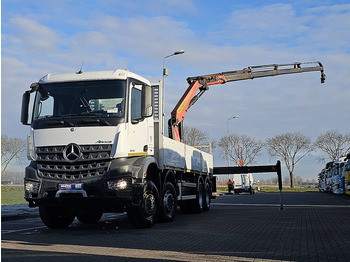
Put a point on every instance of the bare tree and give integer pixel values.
(250, 148)
(286, 180)
(292, 147)
(193, 136)
(299, 180)
(334, 144)
(11, 149)
(274, 180)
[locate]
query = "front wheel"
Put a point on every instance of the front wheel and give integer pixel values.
(56, 217)
(145, 214)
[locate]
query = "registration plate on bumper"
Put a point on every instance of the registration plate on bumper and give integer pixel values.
(71, 186)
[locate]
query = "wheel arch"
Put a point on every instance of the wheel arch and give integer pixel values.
(170, 177)
(149, 170)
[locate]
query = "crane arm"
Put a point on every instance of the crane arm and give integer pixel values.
(199, 84)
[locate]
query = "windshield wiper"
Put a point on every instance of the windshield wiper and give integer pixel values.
(85, 104)
(60, 121)
(98, 120)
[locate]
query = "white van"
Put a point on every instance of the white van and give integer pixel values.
(243, 183)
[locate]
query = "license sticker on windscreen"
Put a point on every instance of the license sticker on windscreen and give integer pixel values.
(70, 186)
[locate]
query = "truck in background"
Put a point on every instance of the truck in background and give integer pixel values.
(335, 178)
(243, 183)
(338, 176)
(97, 145)
(347, 176)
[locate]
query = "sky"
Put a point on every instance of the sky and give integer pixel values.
(45, 36)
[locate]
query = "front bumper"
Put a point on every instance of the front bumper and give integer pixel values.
(113, 191)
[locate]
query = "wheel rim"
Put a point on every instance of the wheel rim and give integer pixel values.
(207, 196)
(200, 197)
(149, 203)
(169, 201)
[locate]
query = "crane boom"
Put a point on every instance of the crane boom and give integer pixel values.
(203, 82)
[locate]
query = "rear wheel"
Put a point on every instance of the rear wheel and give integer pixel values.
(168, 203)
(198, 203)
(145, 214)
(56, 217)
(207, 196)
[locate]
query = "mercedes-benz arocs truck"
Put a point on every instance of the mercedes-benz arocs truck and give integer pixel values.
(96, 145)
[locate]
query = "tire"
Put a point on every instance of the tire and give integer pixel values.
(89, 217)
(146, 213)
(207, 196)
(56, 217)
(198, 203)
(168, 205)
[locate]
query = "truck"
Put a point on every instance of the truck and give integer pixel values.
(97, 145)
(322, 180)
(347, 175)
(338, 176)
(243, 183)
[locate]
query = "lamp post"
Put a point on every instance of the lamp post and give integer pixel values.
(236, 116)
(165, 73)
(228, 132)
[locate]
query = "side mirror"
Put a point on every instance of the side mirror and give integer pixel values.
(25, 108)
(146, 102)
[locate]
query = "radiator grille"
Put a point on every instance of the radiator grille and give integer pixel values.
(93, 161)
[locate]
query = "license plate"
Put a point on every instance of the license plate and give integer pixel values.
(70, 186)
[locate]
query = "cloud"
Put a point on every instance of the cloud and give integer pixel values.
(329, 26)
(266, 22)
(16, 78)
(32, 35)
(283, 25)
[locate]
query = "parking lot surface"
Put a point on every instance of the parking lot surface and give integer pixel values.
(312, 227)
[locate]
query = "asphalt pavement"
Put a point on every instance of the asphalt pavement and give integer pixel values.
(312, 227)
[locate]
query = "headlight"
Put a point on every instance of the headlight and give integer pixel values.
(119, 184)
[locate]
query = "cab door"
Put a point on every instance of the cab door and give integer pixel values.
(140, 128)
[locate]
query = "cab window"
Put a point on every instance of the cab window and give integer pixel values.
(136, 103)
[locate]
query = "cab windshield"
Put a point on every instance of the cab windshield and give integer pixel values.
(70, 101)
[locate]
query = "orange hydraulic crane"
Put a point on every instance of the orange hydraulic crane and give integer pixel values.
(202, 83)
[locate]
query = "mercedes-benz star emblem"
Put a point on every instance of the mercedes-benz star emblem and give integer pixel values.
(72, 152)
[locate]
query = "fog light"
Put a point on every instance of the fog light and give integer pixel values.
(31, 188)
(122, 184)
(117, 184)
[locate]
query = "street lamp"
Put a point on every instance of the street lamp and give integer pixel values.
(165, 70)
(165, 73)
(236, 116)
(228, 157)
